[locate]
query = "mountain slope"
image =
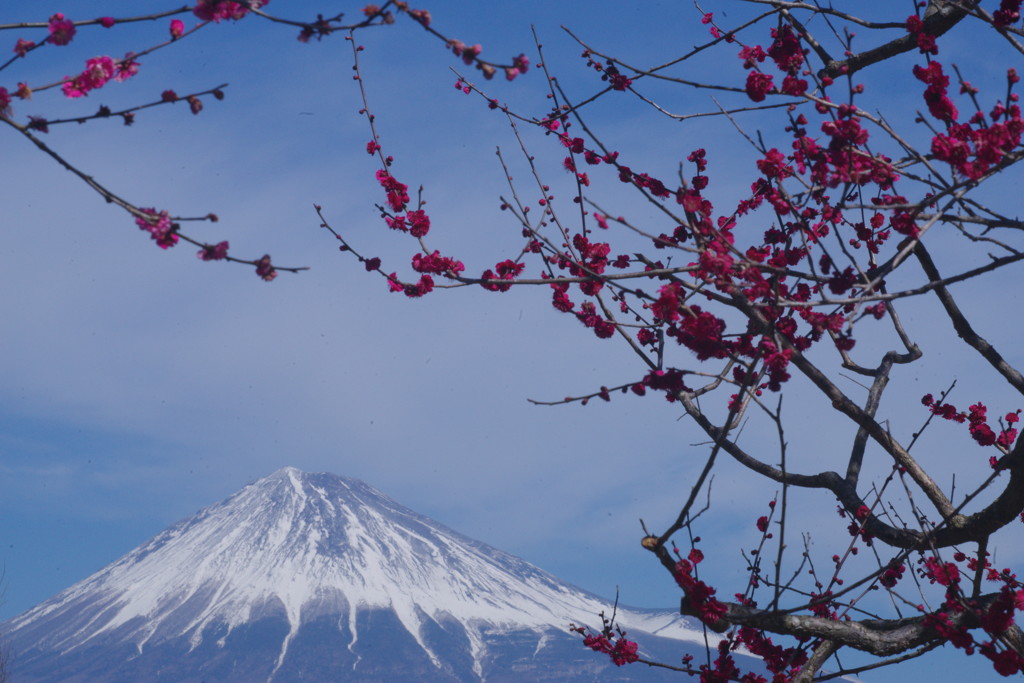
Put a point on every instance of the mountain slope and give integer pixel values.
(317, 577)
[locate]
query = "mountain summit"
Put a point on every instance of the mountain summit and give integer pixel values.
(316, 577)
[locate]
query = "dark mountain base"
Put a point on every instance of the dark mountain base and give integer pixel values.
(383, 651)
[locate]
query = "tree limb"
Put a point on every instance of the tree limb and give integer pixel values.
(940, 16)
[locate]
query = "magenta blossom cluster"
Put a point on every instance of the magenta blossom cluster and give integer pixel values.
(976, 419)
(61, 30)
(620, 650)
(98, 71)
(788, 55)
(213, 252)
(159, 227)
(700, 596)
(216, 10)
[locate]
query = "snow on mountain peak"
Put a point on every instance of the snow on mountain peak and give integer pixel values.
(309, 544)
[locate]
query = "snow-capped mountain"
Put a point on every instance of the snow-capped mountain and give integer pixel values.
(316, 577)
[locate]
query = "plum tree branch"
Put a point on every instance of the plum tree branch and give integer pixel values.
(881, 637)
(940, 17)
(963, 327)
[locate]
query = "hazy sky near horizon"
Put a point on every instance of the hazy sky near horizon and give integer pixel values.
(138, 385)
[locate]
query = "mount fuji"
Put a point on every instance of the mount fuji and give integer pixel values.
(316, 577)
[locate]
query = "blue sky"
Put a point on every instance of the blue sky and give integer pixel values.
(138, 385)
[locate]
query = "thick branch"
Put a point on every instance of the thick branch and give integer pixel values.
(862, 418)
(824, 480)
(825, 649)
(963, 328)
(956, 529)
(844, 405)
(874, 398)
(881, 637)
(941, 16)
